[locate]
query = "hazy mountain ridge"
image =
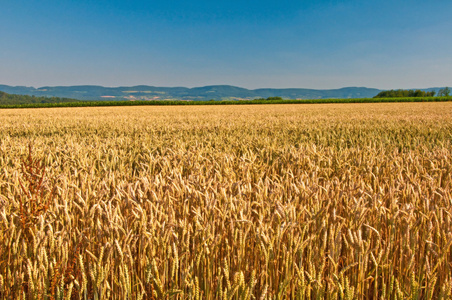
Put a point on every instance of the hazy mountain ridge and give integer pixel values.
(216, 92)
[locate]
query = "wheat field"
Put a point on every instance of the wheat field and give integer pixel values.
(328, 201)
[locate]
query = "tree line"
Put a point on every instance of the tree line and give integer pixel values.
(13, 99)
(445, 92)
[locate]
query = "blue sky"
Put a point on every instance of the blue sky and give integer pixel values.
(249, 43)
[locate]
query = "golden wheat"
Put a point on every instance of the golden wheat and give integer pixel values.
(339, 201)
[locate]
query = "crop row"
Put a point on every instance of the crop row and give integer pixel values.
(236, 102)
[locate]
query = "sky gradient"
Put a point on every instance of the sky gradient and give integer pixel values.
(252, 44)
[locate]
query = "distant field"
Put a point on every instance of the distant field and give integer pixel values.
(325, 201)
(229, 102)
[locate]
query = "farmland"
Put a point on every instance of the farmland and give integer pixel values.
(75, 103)
(324, 201)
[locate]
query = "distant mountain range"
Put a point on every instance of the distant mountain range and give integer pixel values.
(216, 92)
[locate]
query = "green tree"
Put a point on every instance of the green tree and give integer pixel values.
(445, 92)
(404, 93)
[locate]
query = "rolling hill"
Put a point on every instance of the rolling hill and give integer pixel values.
(216, 92)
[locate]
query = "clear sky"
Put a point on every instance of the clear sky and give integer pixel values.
(248, 43)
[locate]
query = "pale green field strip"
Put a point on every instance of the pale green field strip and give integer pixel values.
(241, 102)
